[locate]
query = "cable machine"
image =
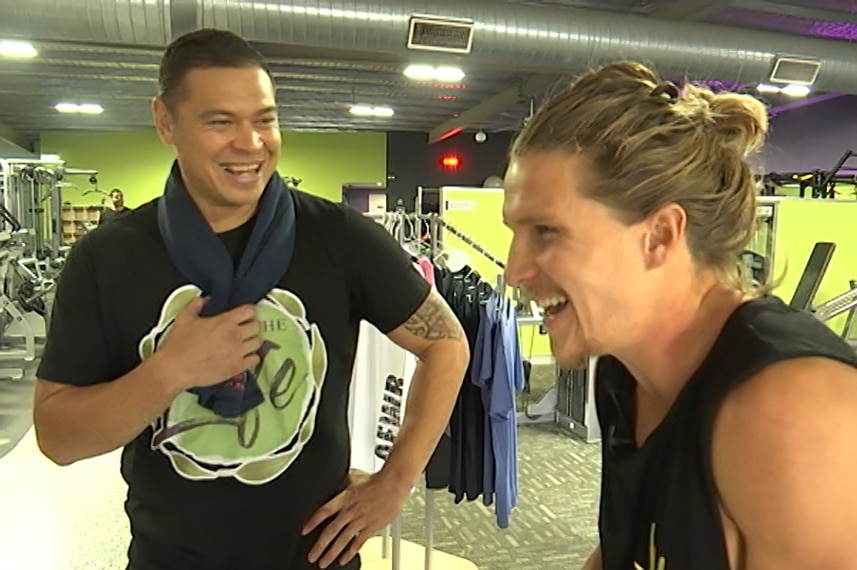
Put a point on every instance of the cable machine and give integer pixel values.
(31, 257)
(32, 203)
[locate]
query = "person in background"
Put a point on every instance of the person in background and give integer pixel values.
(211, 337)
(728, 418)
(117, 208)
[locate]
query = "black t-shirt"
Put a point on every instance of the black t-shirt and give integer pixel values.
(214, 493)
(659, 502)
(466, 293)
(108, 215)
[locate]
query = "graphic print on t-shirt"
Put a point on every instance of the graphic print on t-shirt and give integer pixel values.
(262, 443)
(390, 418)
(656, 562)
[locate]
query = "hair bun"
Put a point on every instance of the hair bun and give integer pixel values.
(741, 120)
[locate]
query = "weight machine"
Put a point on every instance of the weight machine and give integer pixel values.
(819, 183)
(31, 257)
(32, 202)
(844, 303)
(807, 288)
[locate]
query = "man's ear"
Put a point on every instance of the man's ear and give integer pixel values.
(163, 119)
(665, 231)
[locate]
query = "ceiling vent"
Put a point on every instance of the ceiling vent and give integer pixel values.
(796, 71)
(432, 33)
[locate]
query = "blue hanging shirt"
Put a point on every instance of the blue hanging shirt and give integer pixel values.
(501, 374)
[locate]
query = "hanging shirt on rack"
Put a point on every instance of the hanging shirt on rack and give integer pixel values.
(378, 395)
(457, 462)
(499, 372)
(483, 370)
(379, 390)
(427, 269)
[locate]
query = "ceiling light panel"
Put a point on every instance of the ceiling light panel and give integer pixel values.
(17, 49)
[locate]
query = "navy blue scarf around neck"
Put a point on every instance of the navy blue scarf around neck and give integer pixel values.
(202, 258)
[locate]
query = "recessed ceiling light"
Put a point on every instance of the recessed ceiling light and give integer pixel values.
(384, 112)
(767, 88)
(796, 90)
(85, 109)
(428, 73)
(452, 74)
(91, 109)
(421, 72)
(370, 111)
(17, 49)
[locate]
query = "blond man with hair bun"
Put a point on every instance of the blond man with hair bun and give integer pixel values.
(729, 420)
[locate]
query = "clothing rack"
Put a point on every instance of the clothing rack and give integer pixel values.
(398, 220)
(392, 534)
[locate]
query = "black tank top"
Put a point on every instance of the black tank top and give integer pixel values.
(659, 504)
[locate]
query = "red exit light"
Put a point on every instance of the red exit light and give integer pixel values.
(451, 162)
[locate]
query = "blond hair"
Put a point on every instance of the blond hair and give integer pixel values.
(651, 144)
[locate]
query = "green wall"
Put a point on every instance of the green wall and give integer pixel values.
(478, 213)
(799, 225)
(325, 161)
(138, 163)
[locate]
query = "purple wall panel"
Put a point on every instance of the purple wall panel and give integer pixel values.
(812, 137)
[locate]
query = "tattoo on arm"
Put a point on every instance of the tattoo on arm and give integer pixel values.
(434, 321)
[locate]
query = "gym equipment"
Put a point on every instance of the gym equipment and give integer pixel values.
(807, 290)
(575, 407)
(756, 266)
(844, 303)
(31, 256)
(32, 209)
(787, 231)
(812, 275)
(25, 299)
(820, 183)
(32, 195)
(31, 252)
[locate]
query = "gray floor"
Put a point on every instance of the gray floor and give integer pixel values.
(16, 394)
(554, 526)
(16, 411)
(71, 518)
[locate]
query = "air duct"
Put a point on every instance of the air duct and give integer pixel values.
(524, 37)
(123, 22)
(539, 38)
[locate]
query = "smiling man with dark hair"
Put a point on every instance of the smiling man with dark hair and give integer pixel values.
(212, 335)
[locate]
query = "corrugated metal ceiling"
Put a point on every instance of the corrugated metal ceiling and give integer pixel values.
(89, 53)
